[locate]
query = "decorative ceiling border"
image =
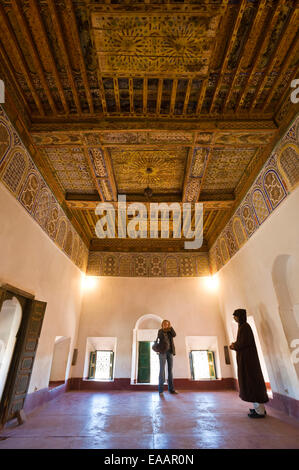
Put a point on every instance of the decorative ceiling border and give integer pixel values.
(148, 264)
(277, 179)
(20, 175)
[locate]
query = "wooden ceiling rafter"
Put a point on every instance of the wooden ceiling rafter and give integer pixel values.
(201, 97)
(59, 34)
(131, 95)
(255, 22)
(285, 65)
(70, 7)
(102, 94)
(173, 95)
(144, 98)
(34, 8)
(229, 45)
(116, 94)
(208, 220)
(187, 96)
(133, 125)
(110, 171)
(213, 223)
(261, 41)
(205, 171)
(137, 245)
(159, 95)
(92, 172)
(21, 59)
(35, 55)
(87, 201)
(10, 69)
(291, 24)
(188, 167)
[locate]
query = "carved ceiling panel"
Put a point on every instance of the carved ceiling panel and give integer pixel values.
(165, 44)
(70, 166)
(225, 169)
(167, 175)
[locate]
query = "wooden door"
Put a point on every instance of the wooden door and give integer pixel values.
(92, 365)
(144, 362)
(17, 383)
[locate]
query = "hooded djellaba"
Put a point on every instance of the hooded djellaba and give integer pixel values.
(251, 381)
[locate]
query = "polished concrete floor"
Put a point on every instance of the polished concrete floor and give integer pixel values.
(132, 420)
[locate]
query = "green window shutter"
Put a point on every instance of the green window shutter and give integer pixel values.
(92, 365)
(191, 364)
(144, 362)
(211, 361)
(111, 364)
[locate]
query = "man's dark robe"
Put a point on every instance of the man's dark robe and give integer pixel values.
(251, 381)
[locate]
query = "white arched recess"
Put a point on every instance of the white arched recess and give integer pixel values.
(148, 326)
(285, 275)
(10, 320)
(60, 358)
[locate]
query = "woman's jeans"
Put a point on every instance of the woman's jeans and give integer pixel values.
(163, 358)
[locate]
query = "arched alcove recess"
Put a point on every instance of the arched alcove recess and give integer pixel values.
(150, 322)
(285, 276)
(59, 361)
(10, 320)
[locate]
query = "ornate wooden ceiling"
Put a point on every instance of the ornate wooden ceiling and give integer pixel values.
(198, 91)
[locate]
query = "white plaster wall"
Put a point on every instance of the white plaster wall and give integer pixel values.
(246, 282)
(114, 305)
(33, 263)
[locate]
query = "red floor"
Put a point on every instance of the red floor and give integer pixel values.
(130, 420)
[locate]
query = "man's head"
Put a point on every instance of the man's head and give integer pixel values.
(165, 324)
(240, 315)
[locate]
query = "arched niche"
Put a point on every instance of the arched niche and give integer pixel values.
(147, 326)
(60, 359)
(10, 320)
(285, 276)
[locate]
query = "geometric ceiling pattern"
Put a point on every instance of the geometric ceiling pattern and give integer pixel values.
(187, 97)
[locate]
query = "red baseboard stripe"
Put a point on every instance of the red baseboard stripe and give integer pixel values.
(124, 384)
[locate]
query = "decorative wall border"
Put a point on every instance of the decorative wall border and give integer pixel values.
(278, 177)
(19, 174)
(148, 264)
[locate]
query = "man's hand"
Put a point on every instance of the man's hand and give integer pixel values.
(232, 346)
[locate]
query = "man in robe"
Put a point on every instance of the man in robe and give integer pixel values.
(251, 381)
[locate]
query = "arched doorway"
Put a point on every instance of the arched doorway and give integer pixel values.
(285, 276)
(146, 329)
(10, 320)
(21, 319)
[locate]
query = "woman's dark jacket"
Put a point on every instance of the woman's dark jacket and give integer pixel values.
(251, 381)
(166, 338)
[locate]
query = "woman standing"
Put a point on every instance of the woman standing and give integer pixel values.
(165, 338)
